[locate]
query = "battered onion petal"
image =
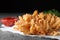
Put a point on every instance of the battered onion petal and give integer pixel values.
(38, 24)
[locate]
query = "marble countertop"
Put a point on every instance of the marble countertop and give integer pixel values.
(5, 35)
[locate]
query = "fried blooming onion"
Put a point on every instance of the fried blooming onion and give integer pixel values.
(38, 24)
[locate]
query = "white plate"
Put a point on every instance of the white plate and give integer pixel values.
(10, 29)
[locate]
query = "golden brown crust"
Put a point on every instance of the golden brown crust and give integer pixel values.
(38, 24)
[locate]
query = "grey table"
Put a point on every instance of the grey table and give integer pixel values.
(14, 36)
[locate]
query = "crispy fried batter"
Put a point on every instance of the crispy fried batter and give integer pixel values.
(38, 24)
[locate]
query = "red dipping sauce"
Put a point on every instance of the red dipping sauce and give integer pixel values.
(8, 21)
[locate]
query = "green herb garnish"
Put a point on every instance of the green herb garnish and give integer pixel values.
(53, 11)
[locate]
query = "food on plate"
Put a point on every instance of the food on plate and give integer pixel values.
(38, 24)
(8, 21)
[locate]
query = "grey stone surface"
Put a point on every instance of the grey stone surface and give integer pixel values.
(5, 35)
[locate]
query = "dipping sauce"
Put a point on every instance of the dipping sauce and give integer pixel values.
(8, 21)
